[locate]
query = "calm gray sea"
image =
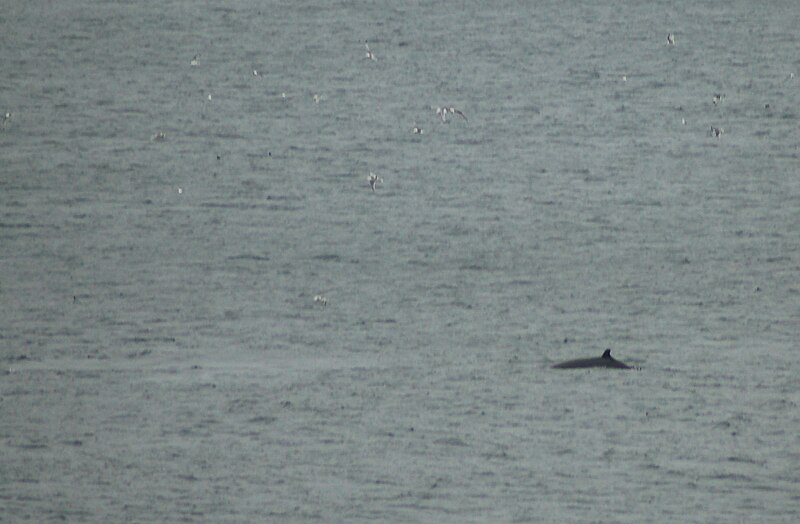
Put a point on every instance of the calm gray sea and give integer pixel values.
(167, 231)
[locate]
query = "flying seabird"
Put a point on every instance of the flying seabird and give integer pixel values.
(442, 112)
(717, 131)
(454, 111)
(718, 98)
(319, 299)
(370, 54)
(374, 179)
(671, 39)
(194, 60)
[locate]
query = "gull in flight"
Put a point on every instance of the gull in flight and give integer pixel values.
(671, 39)
(374, 179)
(319, 299)
(370, 54)
(718, 98)
(417, 130)
(717, 131)
(442, 112)
(194, 61)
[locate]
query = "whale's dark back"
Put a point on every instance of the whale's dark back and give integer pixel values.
(605, 361)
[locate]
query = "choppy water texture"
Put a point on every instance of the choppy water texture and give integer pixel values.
(165, 228)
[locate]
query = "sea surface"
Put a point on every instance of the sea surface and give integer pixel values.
(208, 315)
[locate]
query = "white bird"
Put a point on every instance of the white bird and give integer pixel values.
(671, 39)
(370, 54)
(442, 112)
(255, 72)
(717, 131)
(319, 299)
(194, 60)
(317, 98)
(417, 130)
(159, 137)
(718, 98)
(374, 179)
(454, 111)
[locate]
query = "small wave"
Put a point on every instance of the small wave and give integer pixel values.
(328, 257)
(257, 258)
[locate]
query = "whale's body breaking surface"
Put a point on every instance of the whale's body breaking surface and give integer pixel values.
(604, 361)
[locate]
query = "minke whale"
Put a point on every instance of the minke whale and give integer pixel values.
(605, 361)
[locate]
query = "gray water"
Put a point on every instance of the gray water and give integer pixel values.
(164, 358)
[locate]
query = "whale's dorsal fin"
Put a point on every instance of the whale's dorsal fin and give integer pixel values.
(607, 353)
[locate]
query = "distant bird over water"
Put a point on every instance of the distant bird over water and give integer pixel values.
(442, 112)
(718, 98)
(321, 300)
(670, 39)
(417, 130)
(374, 179)
(717, 131)
(194, 60)
(370, 55)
